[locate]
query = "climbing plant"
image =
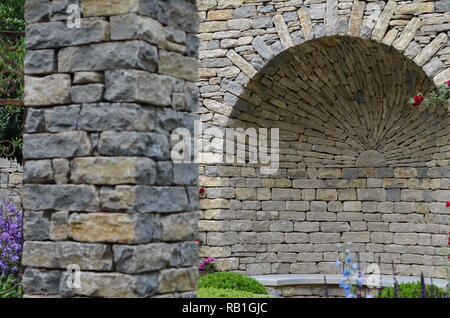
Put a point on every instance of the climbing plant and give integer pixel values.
(11, 19)
(437, 97)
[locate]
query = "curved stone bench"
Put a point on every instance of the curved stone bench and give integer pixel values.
(312, 285)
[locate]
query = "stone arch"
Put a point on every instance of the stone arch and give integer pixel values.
(289, 222)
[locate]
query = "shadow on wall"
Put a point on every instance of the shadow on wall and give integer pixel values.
(356, 165)
(335, 98)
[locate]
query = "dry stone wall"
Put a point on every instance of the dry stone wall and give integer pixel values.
(101, 196)
(356, 163)
(10, 181)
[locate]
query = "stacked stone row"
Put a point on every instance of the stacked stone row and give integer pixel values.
(11, 181)
(291, 223)
(256, 70)
(101, 193)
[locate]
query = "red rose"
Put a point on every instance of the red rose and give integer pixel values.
(202, 190)
(447, 205)
(418, 99)
(448, 83)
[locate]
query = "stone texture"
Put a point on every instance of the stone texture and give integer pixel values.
(49, 90)
(282, 31)
(60, 145)
(60, 197)
(113, 228)
(383, 21)
(62, 254)
(58, 34)
(136, 27)
(106, 56)
(108, 7)
(40, 62)
(428, 51)
(113, 170)
(87, 93)
(176, 65)
(243, 65)
(138, 86)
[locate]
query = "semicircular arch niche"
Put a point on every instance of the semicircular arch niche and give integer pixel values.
(342, 102)
(356, 164)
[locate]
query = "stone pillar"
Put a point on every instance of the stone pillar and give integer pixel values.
(102, 196)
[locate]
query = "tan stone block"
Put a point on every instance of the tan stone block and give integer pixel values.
(326, 194)
(415, 8)
(352, 206)
(53, 89)
(246, 194)
(282, 30)
(214, 204)
(178, 280)
(263, 194)
(108, 7)
(220, 14)
(286, 194)
(240, 62)
(113, 170)
(111, 227)
(405, 172)
(324, 173)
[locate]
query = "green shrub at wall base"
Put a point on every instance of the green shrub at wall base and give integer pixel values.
(235, 281)
(11, 19)
(226, 293)
(10, 287)
(413, 290)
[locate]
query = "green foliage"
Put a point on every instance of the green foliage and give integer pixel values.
(226, 293)
(11, 15)
(11, 19)
(437, 97)
(11, 132)
(235, 281)
(413, 290)
(10, 287)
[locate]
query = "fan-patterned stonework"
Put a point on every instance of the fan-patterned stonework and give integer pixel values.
(356, 163)
(342, 101)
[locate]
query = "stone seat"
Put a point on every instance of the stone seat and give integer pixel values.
(281, 280)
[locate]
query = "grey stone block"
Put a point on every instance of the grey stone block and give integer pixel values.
(91, 93)
(60, 145)
(60, 197)
(151, 145)
(108, 56)
(40, 62)
(138, 86)
(58, 34)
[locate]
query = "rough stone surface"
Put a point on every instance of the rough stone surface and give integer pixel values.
(101, 193)
(49, 90)
(359, 164)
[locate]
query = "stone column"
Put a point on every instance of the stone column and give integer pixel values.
(102, 196)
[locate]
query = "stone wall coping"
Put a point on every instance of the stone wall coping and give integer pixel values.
(333, 279)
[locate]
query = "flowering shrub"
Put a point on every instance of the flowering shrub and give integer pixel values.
(207, 266)
(10, 239)
(437, 97)
(352, 280)
(233, 281)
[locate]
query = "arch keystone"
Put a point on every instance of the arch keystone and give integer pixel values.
(305, 22)
(356, 17)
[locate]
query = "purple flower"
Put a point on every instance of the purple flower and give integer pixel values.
(10, 238)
